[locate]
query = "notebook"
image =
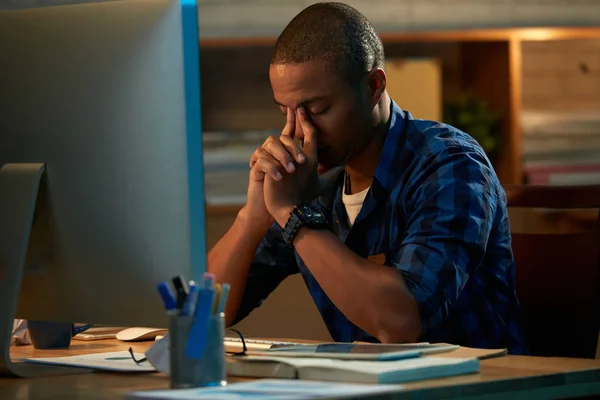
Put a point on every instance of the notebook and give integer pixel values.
(326, 369)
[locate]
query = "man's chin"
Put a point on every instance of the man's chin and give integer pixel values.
(321, 169)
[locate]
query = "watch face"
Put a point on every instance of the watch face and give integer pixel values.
(311, 214)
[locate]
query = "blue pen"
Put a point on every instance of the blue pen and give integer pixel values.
(196, 342)
(189, 307)
(167, 297)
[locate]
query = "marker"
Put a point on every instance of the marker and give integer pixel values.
(223, 300)
(167, 297)
(182, 291)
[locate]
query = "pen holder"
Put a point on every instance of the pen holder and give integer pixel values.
(210, 369)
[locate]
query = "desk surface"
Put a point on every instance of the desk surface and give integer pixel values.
(503, 377)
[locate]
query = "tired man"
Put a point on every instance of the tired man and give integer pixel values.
(398, 225)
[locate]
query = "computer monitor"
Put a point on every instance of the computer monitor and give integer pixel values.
(102, 101)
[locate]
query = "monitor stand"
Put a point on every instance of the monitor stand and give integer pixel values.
(19, 186)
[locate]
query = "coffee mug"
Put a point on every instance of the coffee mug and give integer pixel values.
(53, 335)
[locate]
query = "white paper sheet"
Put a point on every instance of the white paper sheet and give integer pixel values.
(269, 389)
(158, 355)
(20, 334)
(113, 361)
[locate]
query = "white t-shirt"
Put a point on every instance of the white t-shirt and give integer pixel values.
(353, 203)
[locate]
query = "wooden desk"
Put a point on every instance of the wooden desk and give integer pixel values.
(511, 377)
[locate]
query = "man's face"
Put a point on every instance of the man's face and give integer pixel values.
(341, 114)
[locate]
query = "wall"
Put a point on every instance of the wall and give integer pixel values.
(268, 17)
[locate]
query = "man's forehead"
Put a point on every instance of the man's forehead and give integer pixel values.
(301, 83)
(298, 71)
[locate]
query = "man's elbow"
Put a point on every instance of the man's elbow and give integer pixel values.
(403, 328)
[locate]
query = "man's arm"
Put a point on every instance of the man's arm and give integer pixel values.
(250, 256)
(374, 297)
(253, 260)
(450, 221)
(231, 257)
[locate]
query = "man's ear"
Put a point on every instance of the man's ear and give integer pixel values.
(376, 83)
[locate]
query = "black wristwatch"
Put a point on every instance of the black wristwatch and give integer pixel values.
(302, 215)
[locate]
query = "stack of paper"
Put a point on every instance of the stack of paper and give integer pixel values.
(119, 361)
(267, 390)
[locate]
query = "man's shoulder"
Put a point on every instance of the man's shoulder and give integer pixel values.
(432, 138)
(429, 145)
(435, 152)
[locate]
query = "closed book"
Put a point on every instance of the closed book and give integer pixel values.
(325, 369)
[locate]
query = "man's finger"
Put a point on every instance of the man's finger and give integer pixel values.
(290, 124)
(274, 146)
(310, 135)
(293, 148)
(255, 156)
(257, 175)
(269, 166)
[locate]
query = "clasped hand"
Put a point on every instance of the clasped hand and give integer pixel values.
(287, 171)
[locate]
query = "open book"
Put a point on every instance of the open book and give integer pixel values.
(325, 369)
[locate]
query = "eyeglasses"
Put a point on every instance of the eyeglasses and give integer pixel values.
(237, 353)
(141, 360)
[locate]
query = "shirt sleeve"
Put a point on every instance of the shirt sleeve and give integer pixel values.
(449, 222)
(273, 262)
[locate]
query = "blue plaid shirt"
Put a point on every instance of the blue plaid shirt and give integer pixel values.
(437, 212)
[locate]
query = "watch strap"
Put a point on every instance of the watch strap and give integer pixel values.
(304, 214)
(292, 226)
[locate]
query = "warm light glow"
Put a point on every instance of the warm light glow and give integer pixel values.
(539, 34)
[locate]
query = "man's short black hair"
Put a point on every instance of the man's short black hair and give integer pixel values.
(335, 32)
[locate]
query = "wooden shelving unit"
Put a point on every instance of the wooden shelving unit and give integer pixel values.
(489, 65)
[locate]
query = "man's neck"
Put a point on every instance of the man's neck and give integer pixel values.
(361, 169)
